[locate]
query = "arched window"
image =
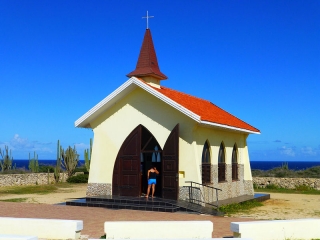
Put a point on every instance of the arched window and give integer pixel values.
(221, 164)
(235, 163)
(206, 164)
(156, 155)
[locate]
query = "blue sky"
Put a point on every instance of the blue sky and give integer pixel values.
(259, 60)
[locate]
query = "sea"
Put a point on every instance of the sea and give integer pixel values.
(257, 165)
(292, 165)
(24, 164)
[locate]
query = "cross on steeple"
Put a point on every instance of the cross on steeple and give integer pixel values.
(147, 17)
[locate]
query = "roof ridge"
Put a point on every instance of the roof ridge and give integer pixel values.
(187, 94)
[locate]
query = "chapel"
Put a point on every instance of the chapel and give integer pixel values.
(188, 139)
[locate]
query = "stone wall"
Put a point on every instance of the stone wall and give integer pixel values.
(29, 179)
(98, 189)
(289, 183)
(230, 188)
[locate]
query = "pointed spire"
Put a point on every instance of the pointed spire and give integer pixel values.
(147, 65)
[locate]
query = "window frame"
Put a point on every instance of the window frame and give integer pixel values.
(206, 164)
(235, 164)
(222, 163)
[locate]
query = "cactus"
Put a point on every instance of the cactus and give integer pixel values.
(33, 163)
(87, 156)
(7, 159)
(57, 169)
(70, 159)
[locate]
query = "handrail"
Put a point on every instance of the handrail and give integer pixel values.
(201, 193)
(203, 185)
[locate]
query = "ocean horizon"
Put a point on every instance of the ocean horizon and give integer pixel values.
(24, 164)
(255, 165)
(292, 165)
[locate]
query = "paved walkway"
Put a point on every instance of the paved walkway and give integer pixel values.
(94, 218)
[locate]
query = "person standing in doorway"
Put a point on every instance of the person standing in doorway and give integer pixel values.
(152, 181)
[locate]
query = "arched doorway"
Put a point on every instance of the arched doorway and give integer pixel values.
(138, 153)
(151, 155)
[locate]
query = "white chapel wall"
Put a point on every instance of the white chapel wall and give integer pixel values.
(215, 136)
(112, 128)
(139, 107)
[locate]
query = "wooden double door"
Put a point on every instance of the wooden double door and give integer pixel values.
(138, 153)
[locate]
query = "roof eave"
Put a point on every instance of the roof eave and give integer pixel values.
(85, 119)
(212, 124)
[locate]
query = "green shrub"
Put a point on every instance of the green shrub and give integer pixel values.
(239, 207)
(272, 186)
(81, 169)
(45, 168)
(255, 186)
(303, 188)
(280, 174)
(81, 178)
(15, 171)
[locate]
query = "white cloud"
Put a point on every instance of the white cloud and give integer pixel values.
(258, 142)
(287, 151)
(21, 147)
(81, 146)
(18, 143)
(309, 151)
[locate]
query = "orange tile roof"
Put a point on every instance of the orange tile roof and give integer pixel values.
(205, 109)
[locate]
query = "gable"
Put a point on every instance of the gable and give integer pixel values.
(201, 111)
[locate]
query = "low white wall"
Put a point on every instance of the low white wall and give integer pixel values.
(42, 228)
(17, 237)
(183, 239)
(290, 183)
(303, 229)
(158, 229)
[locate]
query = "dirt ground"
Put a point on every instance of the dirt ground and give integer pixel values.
(286, 206)
(62, 195)
(280, 206)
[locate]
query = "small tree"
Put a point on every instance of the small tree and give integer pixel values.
(70, 159)
(7, 159)
(33, 163)
(87, 156)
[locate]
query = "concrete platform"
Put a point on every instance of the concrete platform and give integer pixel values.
(94, 218)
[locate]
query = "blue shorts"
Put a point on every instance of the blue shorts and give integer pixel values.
(152, 181)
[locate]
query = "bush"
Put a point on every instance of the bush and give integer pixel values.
(239, 207)
(272, 186)
(81, 178)
(81, 168)
(15, 171)
(303, 188)
(45, 168)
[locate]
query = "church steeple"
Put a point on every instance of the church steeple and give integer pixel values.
(147, 66)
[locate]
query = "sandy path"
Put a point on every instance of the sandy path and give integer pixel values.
(286, 206)
(62, 195)
(280, 206)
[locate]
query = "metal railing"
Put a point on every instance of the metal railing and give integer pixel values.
(203, 194)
